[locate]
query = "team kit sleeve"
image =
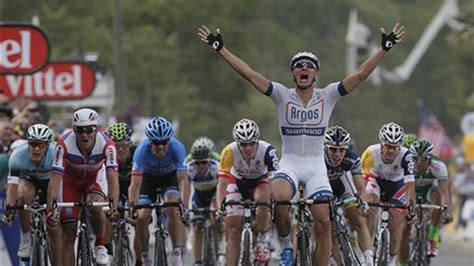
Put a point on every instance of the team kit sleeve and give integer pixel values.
(275, 91)
(138, 162)
(271, 159)
(110, 156)
(227, 160)
(179, 154)
(356, 167)
(14, 168)
(334, 91)
(440, 170)
(367, 162)
(59, 156)
(408, 165)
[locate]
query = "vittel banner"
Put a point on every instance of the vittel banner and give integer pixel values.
(56, 81)
(24, 49)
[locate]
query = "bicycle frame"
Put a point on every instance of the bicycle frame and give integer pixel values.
(160, 233)
(122, 252)
(209, 241)
(85, 256)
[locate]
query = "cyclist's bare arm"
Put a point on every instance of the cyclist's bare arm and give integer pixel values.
(410, 186)
(359, 182)
(352, 81)
(443, 187)
(113, 185)
(256, 79)
(134, 188)
(183, 187)
(53, 187)
(12, 195)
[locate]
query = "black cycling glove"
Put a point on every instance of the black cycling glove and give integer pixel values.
(388, 41)
(215, 41)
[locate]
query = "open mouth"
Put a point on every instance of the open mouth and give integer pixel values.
(304, 77)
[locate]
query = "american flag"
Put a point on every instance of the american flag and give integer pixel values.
(430, 128)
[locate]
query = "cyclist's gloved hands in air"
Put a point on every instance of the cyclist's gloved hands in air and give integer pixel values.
(215, 41)
(394, 37)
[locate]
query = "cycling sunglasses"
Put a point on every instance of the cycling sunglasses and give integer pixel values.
(201, 162)
(247, 144)
(304, 63)
(86, 129)
(34, 144)
(336, 149)
(160, 142)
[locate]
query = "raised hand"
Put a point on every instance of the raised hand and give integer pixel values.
(394, 37)
(215, 41)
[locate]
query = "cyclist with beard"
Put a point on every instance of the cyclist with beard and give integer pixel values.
(29, 168)
(389, 170)
(303, 114)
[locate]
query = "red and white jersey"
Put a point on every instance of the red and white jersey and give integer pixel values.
(69, 161)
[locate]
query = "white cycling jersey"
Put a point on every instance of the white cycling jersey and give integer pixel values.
(302, 128)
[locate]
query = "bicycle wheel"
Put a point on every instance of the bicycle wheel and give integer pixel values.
(382, 249)
(246, 250)
(122, 250)
(209, 251)
(36, 252)
(160, 249)
(349, 256)
(84, 254)
(304, 256)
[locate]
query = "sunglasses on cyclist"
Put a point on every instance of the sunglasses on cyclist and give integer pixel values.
(304, 63)
(336, 149)
(201, 162)
(87, 129)
(34, 144)
(421, 158)
(247, 144)
(160, 142)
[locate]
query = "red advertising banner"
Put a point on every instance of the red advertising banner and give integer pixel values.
(24, 49)
(56, 81)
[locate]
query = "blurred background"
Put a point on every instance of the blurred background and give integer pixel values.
(160, 67)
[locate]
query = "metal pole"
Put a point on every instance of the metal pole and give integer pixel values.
(121, 62)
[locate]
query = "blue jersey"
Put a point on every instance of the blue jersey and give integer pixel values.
(145, 163)
(21, 166)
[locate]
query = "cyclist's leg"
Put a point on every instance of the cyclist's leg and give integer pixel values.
(397, 195)
(233, 221)
(199, 200)
(142, 233)
(26, 192)
(373, 195)
(97, 193)
(318, 188)
(261, 193)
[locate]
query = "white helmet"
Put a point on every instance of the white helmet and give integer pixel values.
(203, 142)
(391, 133)
(85, 117)
(40, 132)
(304, 55)
(246, 130)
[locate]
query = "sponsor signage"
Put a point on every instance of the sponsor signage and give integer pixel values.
(56, 81)
(24, 49)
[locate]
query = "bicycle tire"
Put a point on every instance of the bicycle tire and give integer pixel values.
(122, 251)
(36, 253)
(246, 250)
(160, 250)
(349, 256)
(304, 256)
(209, 251)
(383, 248)
(84, 257)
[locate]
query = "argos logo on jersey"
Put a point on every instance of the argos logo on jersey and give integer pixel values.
(297, 115)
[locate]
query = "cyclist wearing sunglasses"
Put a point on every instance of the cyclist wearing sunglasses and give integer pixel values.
(29, 171)
(246, 164)
(202, 171)
(84, 167)
(340, 161)
(432, 185)
(303, 115)
(389, 170)
(158, 162)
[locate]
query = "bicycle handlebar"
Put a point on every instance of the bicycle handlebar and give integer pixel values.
(387, 205)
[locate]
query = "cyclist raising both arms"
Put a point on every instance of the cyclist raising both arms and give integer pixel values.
(388, 168)
(246, 165)
(303, 114)
(158, 163)
(79, 158)
(432, 185)
(29, 170)
(339, 162)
